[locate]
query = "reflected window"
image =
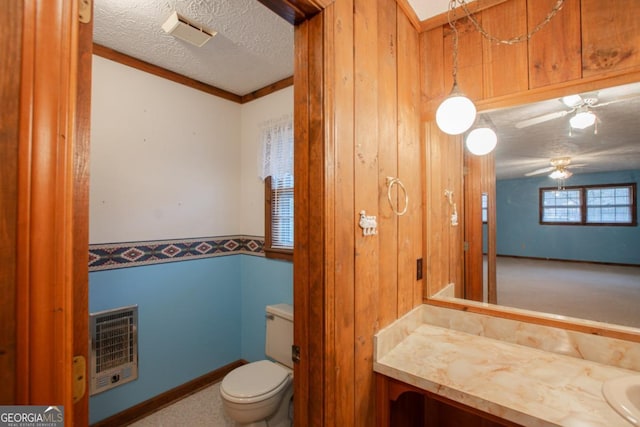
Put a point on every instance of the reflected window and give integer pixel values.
(609, 205)
(613, 204)
(561, 206)
(485, 207)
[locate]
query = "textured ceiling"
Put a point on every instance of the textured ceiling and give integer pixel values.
(253, 47)
(615, 146)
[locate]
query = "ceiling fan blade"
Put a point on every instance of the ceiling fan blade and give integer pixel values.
(539, 171)
(541, 119)
(613, 101)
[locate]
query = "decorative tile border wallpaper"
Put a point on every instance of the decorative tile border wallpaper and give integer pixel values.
(119, 255)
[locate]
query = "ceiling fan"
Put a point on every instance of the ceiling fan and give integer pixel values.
(580, 106)
(559, 168)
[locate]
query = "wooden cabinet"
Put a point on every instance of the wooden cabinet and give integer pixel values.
(403, 405)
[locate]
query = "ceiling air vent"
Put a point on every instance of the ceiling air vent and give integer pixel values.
(179, 27)
(114, 348)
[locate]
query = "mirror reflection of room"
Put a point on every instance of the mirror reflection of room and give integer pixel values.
(559, 222)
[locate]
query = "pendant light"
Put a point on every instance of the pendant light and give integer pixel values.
(481, 141)
(456, 113)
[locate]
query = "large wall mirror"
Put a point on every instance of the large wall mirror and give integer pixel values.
(558, 220)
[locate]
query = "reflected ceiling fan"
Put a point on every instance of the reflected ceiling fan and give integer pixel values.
(579, 106)
(559, 168)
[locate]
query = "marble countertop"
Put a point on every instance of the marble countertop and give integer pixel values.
(528, 386)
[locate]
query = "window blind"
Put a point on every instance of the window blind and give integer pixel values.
(277, 162)
(282, 212)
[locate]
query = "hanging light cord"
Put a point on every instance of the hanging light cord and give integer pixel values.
(556, 8)
(452, 6)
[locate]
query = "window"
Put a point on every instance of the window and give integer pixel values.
(485, 207)
(277, 172)
(561, 206)
(613, 204)
(278, 196)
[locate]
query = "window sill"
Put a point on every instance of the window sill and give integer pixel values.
(281, 254)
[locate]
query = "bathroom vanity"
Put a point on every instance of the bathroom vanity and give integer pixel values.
(438, 366)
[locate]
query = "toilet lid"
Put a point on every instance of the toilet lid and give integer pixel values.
(254, 379)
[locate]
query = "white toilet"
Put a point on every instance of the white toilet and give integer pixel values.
(259, 394)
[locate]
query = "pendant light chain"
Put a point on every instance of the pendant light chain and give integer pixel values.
(525, 37)
(457, 113)
(452, 5)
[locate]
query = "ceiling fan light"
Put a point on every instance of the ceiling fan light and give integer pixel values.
(481, 141)
(582, 120)
(572, 100)
(456, 114)
(560, 174)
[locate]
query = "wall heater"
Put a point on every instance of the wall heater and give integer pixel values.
(114, 348)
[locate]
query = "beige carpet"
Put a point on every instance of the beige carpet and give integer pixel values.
(604, 293)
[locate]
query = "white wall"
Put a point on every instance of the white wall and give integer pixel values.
(171, 162)
(165, 159)
(254, 114)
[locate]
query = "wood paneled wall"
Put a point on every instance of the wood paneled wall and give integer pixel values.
(588, 40)
(357, 113)
(479, 178)
(366, 89)
(587, 43)
(443, 240)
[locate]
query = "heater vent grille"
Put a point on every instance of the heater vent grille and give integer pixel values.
(114, 348)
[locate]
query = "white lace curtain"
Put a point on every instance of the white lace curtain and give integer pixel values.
(277, 148)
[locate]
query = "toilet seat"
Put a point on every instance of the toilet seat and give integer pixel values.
(254, 382)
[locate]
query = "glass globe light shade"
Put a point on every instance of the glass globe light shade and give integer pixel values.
(582, 120)
(456, 114)
(560, 174)
(572, 100)
(481, 141)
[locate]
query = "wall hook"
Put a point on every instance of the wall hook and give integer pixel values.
(368, 224)
(454, 214)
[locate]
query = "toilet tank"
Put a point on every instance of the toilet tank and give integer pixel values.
(280, 333)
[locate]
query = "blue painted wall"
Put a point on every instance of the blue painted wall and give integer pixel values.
(264, 282)
(520, 234)
(194, 317)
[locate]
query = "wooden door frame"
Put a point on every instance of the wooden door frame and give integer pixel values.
(51, 226)
(81, 147)
(10, 42)
(312, 402)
